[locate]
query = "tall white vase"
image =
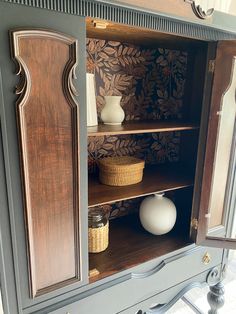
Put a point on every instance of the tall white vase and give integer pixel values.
(112, 113)
(157, 214)
(92, 118)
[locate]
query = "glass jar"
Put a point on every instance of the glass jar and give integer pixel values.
(98, 231)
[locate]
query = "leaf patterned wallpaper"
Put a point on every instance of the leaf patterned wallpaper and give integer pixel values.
(151, 83)
(153, 148)
(128, 207)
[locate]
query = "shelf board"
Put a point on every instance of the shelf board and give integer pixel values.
(130, 245)
(137, 127)
(160, 178)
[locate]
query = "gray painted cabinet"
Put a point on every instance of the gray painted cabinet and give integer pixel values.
(44, 260)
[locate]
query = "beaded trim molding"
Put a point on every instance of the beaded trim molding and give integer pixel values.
(129, 16)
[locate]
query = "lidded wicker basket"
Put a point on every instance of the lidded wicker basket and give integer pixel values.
(120, 171)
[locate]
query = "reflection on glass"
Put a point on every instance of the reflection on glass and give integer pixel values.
(223, 150)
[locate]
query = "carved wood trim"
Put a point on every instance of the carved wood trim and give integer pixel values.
(162, 264)
(199, 12)
(24, 89)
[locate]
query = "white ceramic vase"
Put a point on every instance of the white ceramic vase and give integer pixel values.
(157, 214)
(92, 118)
(112, 113)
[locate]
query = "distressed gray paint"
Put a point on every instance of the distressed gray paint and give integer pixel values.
(7, 284)
(103, 306)
(132, 290)
(108, 288)
(135, 17)
(12, 16)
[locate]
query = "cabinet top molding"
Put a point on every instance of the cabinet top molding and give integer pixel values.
(199, 12)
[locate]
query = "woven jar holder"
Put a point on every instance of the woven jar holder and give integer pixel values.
(98, 238)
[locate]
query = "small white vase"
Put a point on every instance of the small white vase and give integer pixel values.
(112, 113)
(92, 118)
(157, 214)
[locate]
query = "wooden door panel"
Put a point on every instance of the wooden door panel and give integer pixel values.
(218, 188)
(47, 116)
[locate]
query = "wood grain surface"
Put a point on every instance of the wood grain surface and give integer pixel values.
(48, 123)
(130, 245)
(140, 127)
(158, 178)
(174, 7)
(138, 35)
(226, 52)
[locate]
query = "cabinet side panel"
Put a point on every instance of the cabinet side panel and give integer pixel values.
(48, 136)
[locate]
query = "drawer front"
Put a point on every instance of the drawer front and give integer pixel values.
(165, 300)
(144, 285)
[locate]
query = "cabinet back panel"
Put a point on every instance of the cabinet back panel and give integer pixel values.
(151, 81)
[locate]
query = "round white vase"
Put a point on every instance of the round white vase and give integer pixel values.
(112, 113)
(157, 214)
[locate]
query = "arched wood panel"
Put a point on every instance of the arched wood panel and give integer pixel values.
(48, 118)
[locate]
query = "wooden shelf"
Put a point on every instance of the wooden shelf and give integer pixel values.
(159, 178)
(130, 245)
(137, 127)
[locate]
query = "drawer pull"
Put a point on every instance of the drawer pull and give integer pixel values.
(206, 259)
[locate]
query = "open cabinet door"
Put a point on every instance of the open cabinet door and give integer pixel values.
(44, 131)
(218, 189)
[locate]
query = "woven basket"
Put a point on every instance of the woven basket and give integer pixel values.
(98, 238)
(120, 171)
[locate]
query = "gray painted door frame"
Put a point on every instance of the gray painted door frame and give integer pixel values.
(14, 16)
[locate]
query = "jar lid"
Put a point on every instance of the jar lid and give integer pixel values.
(96, 215)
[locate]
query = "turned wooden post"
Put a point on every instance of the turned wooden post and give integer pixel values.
(215, 298)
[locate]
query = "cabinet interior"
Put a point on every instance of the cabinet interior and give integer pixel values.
(161, 80)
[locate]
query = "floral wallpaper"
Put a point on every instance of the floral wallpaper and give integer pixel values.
(152, 147)
(151, 83)
(128, 207)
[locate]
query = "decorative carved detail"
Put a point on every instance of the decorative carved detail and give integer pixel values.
(199, 12)
(216, 298)
(71, 71)
(214, 276)
(162, 264)
(21, 72)
(48, 120)
(150, 272)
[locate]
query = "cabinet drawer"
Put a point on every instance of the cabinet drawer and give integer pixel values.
(144, 284)
(167, 299)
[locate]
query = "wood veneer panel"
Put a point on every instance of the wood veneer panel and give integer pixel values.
(225, 58)
(140, 127)
(174, 7)
(155, 179)
(130, 245)
(48, 132)
(138, 35)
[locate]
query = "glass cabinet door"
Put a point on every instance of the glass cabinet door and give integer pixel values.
(218, 190)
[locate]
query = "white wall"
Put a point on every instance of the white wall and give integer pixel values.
(227, 6)
(1, 309)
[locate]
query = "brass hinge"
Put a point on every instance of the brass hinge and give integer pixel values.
(211, 66)
(99, 24)
(194, 223)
